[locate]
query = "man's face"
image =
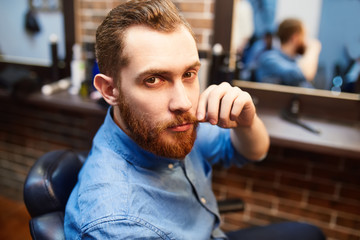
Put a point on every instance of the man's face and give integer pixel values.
(159, 90)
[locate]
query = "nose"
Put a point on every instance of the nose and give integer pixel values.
(179, 98)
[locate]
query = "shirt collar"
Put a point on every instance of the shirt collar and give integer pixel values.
(284, 55)
(129, 150)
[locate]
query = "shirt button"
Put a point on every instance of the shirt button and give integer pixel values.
(203, 200)
(171, 166)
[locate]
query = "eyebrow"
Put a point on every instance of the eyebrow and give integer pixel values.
(159, 71)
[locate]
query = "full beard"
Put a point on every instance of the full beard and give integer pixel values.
(149, 135)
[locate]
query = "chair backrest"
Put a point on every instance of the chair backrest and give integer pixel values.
(47, 189)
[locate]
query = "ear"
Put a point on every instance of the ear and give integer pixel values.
(106, 86)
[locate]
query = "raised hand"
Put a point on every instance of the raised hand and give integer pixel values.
(226, 106)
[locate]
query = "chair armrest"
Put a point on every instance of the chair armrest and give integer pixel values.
(231, 205)
(48, 226)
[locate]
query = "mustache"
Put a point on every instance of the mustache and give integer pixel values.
(179, 119)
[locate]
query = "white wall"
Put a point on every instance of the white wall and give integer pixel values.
(308, 11)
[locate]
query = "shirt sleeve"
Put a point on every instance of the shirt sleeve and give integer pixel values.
(215, 145)
(274, 69)
(292, 75)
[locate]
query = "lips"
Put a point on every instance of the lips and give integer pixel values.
(181, 123)
(181, 128)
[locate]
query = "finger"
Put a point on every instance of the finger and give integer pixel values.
(243, 110)
(202, 103)
(227, 104)
(237, 108)
(214, 102)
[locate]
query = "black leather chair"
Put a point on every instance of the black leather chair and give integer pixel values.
(46, 190)
(48, 187)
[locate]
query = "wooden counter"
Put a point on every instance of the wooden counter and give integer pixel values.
(334, 137)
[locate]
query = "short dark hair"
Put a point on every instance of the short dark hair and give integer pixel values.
(288, 28)
(160, 15)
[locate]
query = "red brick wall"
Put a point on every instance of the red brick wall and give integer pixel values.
(199, 13)
(27, 131)
(297, 186)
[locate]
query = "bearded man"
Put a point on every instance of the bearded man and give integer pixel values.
(148, 174)
(295, 62)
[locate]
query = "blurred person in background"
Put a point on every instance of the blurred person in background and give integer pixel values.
(295, 62)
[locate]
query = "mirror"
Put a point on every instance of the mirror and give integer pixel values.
(334, 23)
(38, 40)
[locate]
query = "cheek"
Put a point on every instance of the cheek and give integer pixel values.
(151, 106)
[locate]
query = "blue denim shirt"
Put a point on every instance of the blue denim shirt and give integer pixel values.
(125, 192)
(276, 67)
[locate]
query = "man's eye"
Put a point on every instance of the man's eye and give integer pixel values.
(189, 74)
(152, 81)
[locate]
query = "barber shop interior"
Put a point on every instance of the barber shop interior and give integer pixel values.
(79, 114)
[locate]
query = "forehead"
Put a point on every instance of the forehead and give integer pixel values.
(147, 48)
